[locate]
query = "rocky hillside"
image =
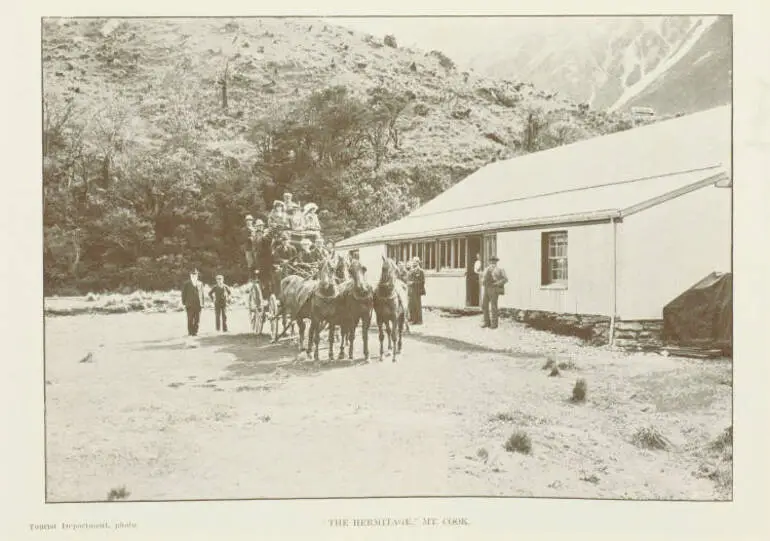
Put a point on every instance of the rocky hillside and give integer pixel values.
(673, 64)
(160, 134)
(454, 119)
(700, 79)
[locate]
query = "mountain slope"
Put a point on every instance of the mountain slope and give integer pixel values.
(612, 63)
(160, 134)
(275, 62)
(700, 80)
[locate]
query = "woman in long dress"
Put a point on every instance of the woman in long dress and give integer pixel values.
(416, 282)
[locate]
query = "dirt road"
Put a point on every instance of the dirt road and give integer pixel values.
(230, 416)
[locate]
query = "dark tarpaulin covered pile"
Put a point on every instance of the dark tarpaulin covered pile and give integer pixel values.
(702, 316)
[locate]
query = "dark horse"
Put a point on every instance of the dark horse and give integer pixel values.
(324, 308)
(390, 305)
(294, 299)
(355, 301)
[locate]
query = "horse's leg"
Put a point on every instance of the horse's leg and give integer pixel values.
(396, 347)
(301, 325)
(351, 332)
(389, 330)
(382, 337)
(332, 328)
(311, 339)
(365, 321)
(401, 322)
(343, 331)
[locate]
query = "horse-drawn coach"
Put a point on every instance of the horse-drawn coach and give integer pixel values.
(302, 280)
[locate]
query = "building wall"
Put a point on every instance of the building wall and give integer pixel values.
(371, 258)
(590, 273)
(664, 250)
(589, 253)
(444, 290)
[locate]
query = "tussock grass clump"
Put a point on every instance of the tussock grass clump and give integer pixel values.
(724, 440)
(650, 438)
(580, 391)
(482, 454)
(502, 416)
(554, 372)
(550, 363)
(390, 41)
(567, 365)
(119, 493)
(518, 442)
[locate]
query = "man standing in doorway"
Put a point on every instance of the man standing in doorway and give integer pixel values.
(192, 299)
(494, 285)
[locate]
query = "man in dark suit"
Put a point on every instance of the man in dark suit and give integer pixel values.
(193, 298)
(284, 252)
(494, 285)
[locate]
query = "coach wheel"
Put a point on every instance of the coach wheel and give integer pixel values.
(273, 316)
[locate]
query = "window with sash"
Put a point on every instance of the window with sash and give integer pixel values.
(554, 258)
(452, 254)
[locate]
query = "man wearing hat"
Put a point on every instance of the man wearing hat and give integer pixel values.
(319, 249)
(256, 241)
(247, 244)
(193, 298)
(494, 285)
(284, 252)
(307, 259)
(220, 293)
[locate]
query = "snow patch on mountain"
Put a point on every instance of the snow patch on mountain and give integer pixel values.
(630, 91)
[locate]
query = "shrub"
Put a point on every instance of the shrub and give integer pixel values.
(518, 442)
(390, 41)
(579, 391)
(443, 60)
(650, 438)
(119, 493)
(554, 371)
(421, 109)
(724, 443)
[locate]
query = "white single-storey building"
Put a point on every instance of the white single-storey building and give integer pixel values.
(613, 227)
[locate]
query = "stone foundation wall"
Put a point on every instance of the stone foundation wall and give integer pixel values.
(638, 334)
(591, 328)
(631, 335)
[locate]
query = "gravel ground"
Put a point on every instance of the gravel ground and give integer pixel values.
(131, 401)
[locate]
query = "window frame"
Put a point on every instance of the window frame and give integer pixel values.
(554, 259)
(437, 255)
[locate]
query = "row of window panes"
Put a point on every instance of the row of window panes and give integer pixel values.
(451, 253)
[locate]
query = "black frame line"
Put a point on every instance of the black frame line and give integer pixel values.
(393, 16)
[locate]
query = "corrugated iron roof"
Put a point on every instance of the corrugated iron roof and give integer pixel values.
(591, 179)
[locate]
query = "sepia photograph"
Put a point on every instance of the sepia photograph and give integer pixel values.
(387, 257)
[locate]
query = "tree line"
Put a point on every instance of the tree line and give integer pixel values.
(135, 194)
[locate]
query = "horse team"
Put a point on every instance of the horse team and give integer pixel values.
(344, 299)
